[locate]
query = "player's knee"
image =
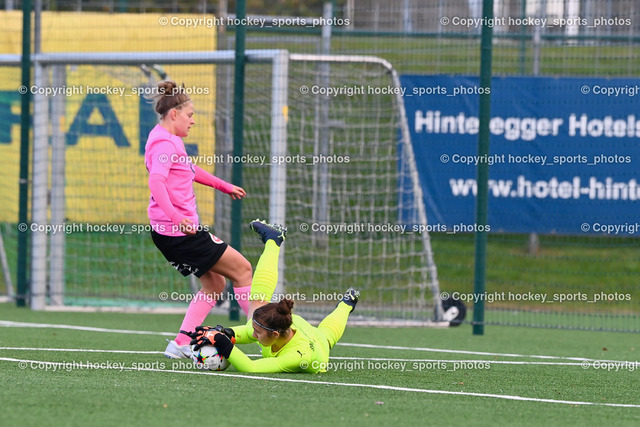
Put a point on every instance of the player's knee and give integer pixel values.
(244, 272)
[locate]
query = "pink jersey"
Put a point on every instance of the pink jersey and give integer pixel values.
(164, 154)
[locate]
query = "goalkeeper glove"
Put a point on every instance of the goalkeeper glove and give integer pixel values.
(219, 340)
(228, 332)
(223, 344)
(206, 335)
(202, 329)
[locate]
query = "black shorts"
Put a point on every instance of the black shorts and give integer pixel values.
(190, 254)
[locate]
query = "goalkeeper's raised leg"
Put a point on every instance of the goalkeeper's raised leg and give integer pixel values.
(265, 277)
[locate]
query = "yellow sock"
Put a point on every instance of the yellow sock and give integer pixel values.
(333, 325)
(265, 278)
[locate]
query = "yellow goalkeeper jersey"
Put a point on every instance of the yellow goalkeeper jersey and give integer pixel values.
(307, 351)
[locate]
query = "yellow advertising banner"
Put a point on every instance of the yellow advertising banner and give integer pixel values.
(106, 116)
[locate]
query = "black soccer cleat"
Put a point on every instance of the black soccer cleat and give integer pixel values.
(266, 231)
(351, 297)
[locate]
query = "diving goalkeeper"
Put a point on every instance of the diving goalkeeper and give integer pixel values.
(288, 342)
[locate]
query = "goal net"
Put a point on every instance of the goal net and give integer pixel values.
(344, 184)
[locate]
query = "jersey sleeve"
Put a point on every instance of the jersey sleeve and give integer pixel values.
(160, 157)
(158, 188)
(289, 362)
(244, 333)
(205, 178)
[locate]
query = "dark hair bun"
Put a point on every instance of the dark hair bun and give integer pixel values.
(169, 95)
(284, 307)
(167, 87)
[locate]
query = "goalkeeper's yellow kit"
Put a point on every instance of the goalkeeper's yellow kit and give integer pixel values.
(307, 351)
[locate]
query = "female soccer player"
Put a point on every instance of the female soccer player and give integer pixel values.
(289, 343)
(174, 219)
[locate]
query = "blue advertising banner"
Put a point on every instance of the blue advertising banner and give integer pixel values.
(564, 152)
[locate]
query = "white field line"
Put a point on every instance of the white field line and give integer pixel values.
(25, 363)
(11, 324)
(346, 358)
(476, 353)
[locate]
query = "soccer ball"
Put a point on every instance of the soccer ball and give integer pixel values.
(208, 359)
